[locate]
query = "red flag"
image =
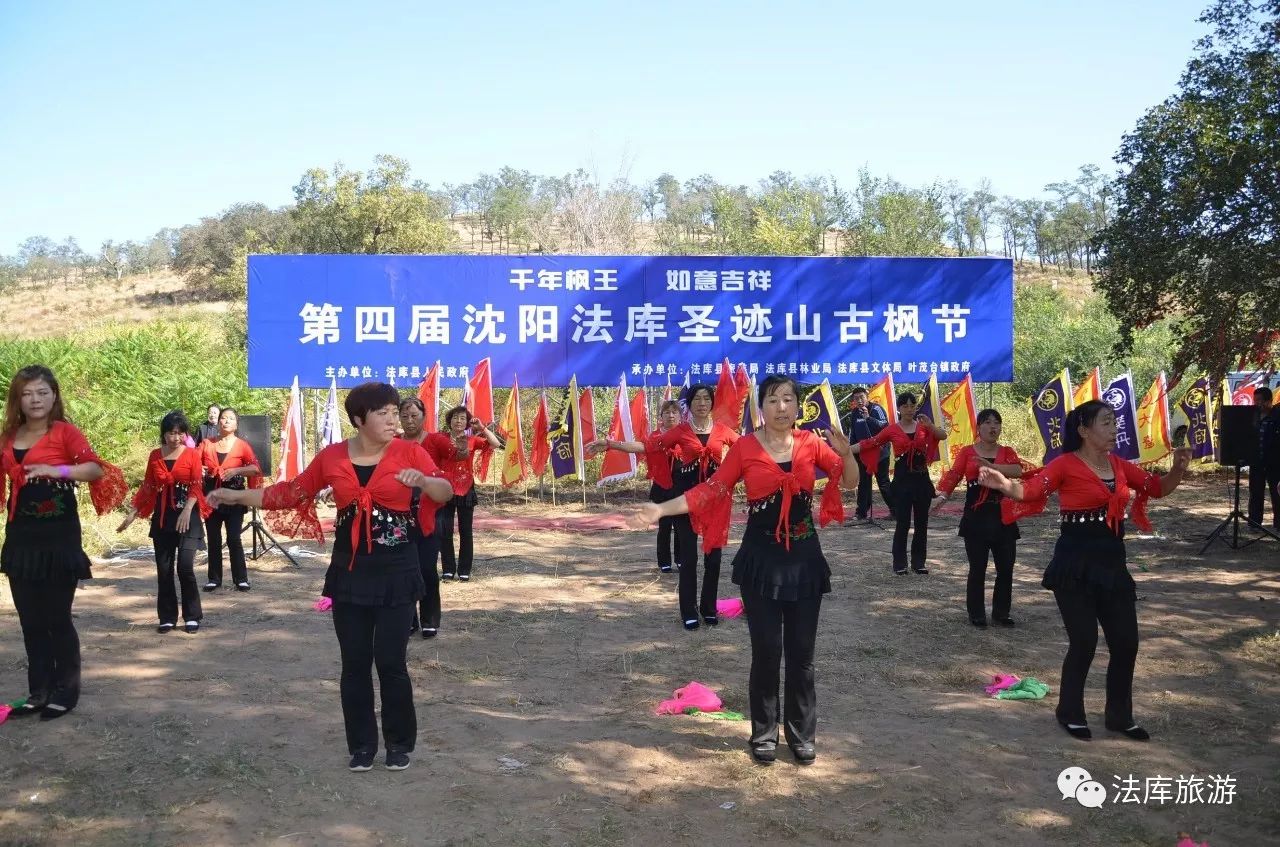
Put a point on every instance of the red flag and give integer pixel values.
(728, 406)
(587, 414)
(670, 392)
(479, 394)
(541, 450)
(618, 465)
(429, 394)
(742, 382)
(640, 414)
(292, 444)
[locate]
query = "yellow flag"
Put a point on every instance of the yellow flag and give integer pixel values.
(514, 465)
(961, 413)
(1090, 389)
(1153, 422)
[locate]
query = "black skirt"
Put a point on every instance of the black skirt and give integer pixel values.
(983, 522)
(468, 500)
(765, 567)
(1089, 558)
(387, 575)
(166, 529)
(43, 541)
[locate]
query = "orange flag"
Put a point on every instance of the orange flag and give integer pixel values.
(541, 451)
(960, 410)
(1153, 422)
(1090, 389)
(514, 466)
(883, 393)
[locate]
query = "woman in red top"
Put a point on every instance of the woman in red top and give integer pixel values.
(412, 418)
(373, 577)
(43, 458)
(915, 443)
(779, 567)
(659, 492)
(229, 462)
(171, 490)
(985, 535)
(1088, 574)
(455, 452)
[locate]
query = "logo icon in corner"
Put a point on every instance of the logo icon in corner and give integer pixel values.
(1076, 782)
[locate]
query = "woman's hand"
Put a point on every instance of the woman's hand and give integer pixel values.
(231, 473)
(993, 479)
(1181, 458)
(839, 442)
(223, 497)
(133, 513)
(184, 522)
(43, 472)
(937, 502)
(645, 516)
(412, 478)
(598, 445)
(476, 427)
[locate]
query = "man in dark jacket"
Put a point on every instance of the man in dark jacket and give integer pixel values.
(864, 420)
(209, 430)
(1264, 473)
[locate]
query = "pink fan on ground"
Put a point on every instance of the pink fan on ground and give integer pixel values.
(1000, 682)
(324, 604)
(694, 695)
(729, 607)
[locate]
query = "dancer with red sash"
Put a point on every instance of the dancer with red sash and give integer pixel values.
(456, 451)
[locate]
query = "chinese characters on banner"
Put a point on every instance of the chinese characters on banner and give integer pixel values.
(356, 318)
(1197, 405)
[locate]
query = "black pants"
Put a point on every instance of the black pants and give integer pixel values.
(444, 528)
(171, 552)
(1081, 614)
(234, 523)
(376, 636)
(687, 549)
(428, 616)
(913, 493)
(782, 628)
(979, 549)
(864, 488)
(1261, 484)
(53, 646)
(668, 542)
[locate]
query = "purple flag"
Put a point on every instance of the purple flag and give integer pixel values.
(1195, 405)
(1049, 408)
(566, 439)
(1119, 396)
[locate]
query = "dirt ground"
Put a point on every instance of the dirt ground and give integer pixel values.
(535, 708)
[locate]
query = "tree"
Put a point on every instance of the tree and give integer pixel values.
(1196, 232)
(894, 220)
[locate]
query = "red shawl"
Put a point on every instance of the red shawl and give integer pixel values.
(240, 455)
(1081, 489)
(659, 458)
(459, 472)
(683, 443)
(332, 468)
(160, 484)
(966, 465)
(921, 441)
(63, 444)
(711, 503)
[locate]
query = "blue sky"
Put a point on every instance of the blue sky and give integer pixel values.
(117, 119)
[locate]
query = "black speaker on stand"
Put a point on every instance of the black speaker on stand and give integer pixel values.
(256, 429)
(1238, 447)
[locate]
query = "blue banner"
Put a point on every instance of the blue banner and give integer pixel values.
(354, 318)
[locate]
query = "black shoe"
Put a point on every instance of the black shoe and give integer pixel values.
(922, 570)
(1005, 621)
(212, 586)
(764, 752)
(360, 762)
(35, 703)
(165, 627)
(464, 577)
(664, 568)
(413, 627)
(447, 575)
(192, 627)
(804, 752)
(53, 711)
(242, 586)
(397, 761)
(1077, 731)
(710, 620)
(692, 624)
(428, 632)
(900, 571)
(981, 623)
(1135, 732)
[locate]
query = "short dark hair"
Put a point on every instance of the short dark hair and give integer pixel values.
(700, 386)
(1083, 415)
(861, 389)
(369, 397)
(456, 410)
(986, 414)
(773, 383)
(213, 406)
(222, 412)
(668, 405)
(174, 420)
(906, 397)
(1262, 393)
(413, 401)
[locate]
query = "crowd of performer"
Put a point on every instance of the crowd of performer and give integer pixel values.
(399, 489)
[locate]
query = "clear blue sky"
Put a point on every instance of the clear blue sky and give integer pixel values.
(119, 118)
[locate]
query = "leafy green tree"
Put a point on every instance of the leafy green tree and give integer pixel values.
(1196, 233)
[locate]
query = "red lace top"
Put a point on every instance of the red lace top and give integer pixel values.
(967, 464)
(459, 472)
(240, 455)
(919, 449)
(63, 444)
(683, 443)
(1080, 489)
(160, 484)
(711, 503)
(332, 468)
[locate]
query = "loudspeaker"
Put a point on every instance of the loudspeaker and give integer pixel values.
(256, 429)
(1238, 435)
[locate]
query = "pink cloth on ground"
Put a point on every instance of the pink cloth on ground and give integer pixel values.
(729, 607)
(324, 604)
(1187, 842)
(4, 712)
(694, 695)
(1000, 682)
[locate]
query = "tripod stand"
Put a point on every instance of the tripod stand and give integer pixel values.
(1233, 521)
(262, 540)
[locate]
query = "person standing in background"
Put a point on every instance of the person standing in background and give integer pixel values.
(209, 429)
(864, 421)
